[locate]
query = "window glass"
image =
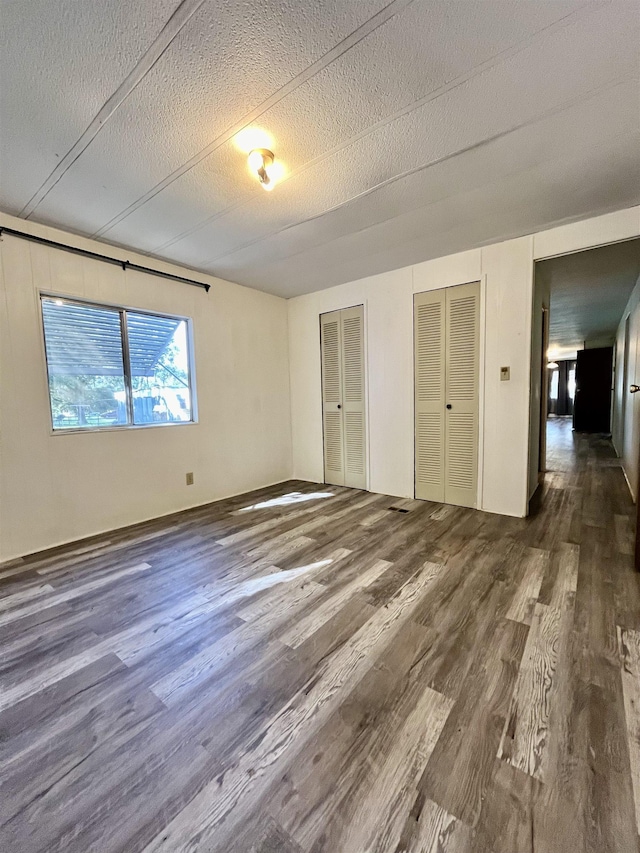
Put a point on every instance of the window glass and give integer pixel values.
(110, 367)
(553, 390)
(85, 365)
(159, 357)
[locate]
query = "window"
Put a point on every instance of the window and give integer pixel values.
(111, 367)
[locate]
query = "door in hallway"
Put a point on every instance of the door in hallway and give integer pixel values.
(594, 374)
(343, 397)
(446, 365)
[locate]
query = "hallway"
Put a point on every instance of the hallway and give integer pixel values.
(590, 518)
(586, 651)
(310, 668)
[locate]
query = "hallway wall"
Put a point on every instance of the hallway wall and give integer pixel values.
(626, 406)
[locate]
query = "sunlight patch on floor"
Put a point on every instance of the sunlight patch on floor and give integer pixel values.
(258, 584)
(287, 500)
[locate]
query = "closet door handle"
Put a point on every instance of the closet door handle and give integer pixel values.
(634, 389)
(339, 406)
(449, 406)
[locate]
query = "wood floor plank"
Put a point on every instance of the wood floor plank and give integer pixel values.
(27, 787)
(269, 546)
(460, 770)
(625, 534)
(288, 731)
(381, 814)
(308, 625)
(630, 663)
(332, 675)
(51, 600)
(12, 599)
(526, 735)
(31, 724)
(221, 654)
(524, 601)
(278, 593)
(145, 634)
(318, 797)
(431, 829)
(526, 728)
(262, 834)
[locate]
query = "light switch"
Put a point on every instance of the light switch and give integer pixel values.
(505, 374)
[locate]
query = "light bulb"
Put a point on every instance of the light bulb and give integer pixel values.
(256, 160)
(252, 137)
(260, 160)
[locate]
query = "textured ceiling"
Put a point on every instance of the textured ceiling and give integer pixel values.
(408, 130)
(589, 292)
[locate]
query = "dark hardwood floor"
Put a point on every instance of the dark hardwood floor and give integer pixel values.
(310, 668)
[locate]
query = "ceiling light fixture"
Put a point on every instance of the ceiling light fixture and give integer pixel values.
(552, 365)
(260, 161)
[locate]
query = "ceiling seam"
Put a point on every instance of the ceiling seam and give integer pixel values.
(176, 22)
(480, 244)
(369, 191)
(420, 207)
(373, 23)
(509, 236)
(470, 74)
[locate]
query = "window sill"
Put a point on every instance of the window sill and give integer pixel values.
(121, 428)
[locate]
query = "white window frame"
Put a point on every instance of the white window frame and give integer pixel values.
(123, 310)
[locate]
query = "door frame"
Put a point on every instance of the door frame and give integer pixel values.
(544, 395)
(365, 319)
(618, 426)
(575, 243)
(637, 548)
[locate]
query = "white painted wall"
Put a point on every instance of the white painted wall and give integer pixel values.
(56, 488)
(626, 406)
(388, 301)
(506, 273)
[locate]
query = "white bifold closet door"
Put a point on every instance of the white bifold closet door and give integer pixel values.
(446, 341)
(343, 397)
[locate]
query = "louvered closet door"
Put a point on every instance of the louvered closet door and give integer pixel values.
(461, 413)
(343, 397)
(330, 347)
(446, 340)
(429, 343)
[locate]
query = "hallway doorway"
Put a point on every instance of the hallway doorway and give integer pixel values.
(584, 376)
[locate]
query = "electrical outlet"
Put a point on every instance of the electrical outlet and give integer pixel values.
(190, 478)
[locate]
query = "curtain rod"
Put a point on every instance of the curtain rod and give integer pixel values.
(88, 254)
